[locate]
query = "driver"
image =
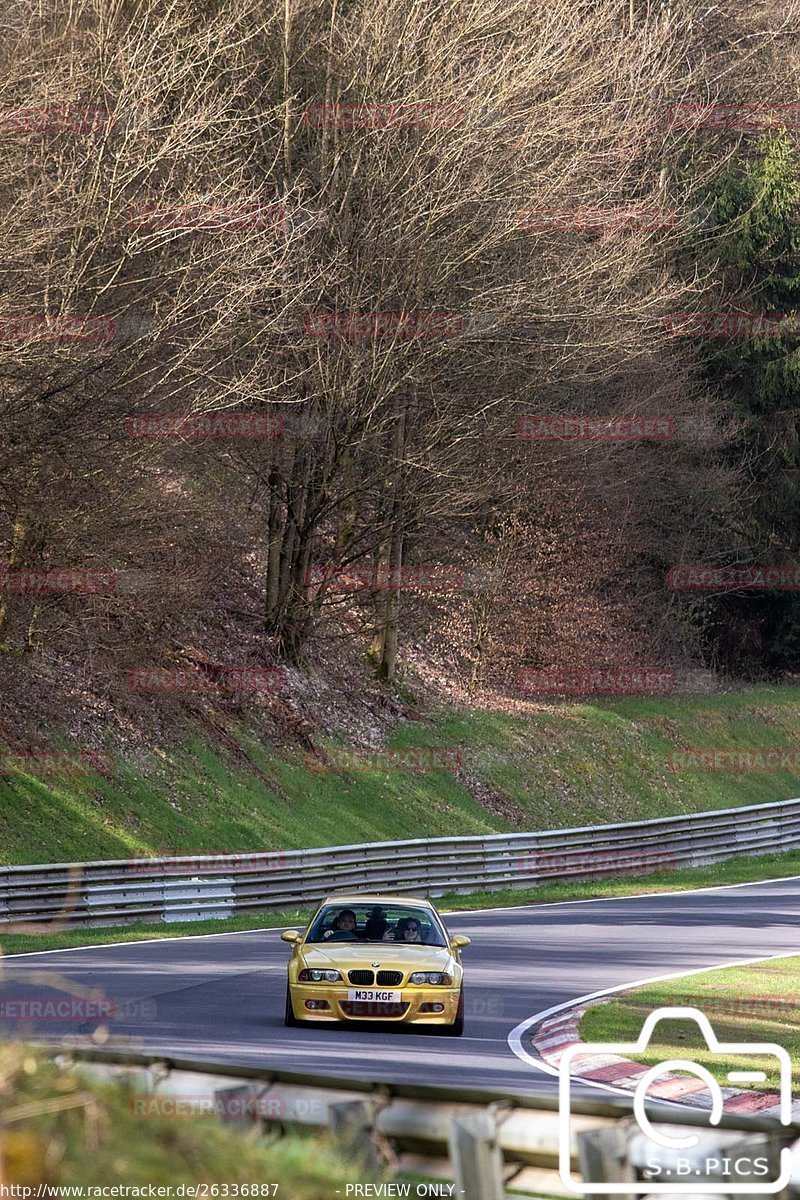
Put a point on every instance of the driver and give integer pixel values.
(344, 922)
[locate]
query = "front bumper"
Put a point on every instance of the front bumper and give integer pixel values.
(413, 1000)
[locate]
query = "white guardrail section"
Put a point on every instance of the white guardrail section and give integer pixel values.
(492, 1144)
(196, 887)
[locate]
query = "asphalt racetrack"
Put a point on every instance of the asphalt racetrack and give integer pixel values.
(222, 997)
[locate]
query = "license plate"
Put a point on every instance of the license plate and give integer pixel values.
(374, 996)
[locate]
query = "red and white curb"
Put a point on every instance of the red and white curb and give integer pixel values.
(558, 1033)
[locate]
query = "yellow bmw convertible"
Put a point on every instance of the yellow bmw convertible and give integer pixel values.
(376, 958)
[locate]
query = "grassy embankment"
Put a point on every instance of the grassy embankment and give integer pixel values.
(565, 764)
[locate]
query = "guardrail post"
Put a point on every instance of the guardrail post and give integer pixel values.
(603, 1158)
(751, 1147)
(351, 1124)
(240, 1105)
(476, 1158)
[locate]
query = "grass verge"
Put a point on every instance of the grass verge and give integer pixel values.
(755, 1003)
(736, 870)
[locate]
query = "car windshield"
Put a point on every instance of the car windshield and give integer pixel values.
(401, 923)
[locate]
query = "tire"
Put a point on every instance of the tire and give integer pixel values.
(289, 1019)
(457, 1028)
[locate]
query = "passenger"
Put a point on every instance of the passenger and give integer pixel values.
(376, 925)
(408, 930)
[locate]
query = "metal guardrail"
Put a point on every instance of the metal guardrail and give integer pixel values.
(490, 1142)
(188, 888)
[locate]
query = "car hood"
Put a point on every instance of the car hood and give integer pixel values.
(390, 956)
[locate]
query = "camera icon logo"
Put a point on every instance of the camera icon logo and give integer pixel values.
(668, 1170)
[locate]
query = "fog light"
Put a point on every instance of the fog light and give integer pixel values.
(317, 1004)
(432, 1008)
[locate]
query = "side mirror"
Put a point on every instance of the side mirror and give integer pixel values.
(460, 941)
(291, 935)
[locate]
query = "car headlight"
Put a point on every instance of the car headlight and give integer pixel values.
(315, 976)
(437, 978)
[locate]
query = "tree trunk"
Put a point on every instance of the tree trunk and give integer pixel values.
(15, 558)
(387, 663)
(386, 639)
(274, 545)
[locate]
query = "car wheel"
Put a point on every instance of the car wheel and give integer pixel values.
(289, 1019)
(457, 1028)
